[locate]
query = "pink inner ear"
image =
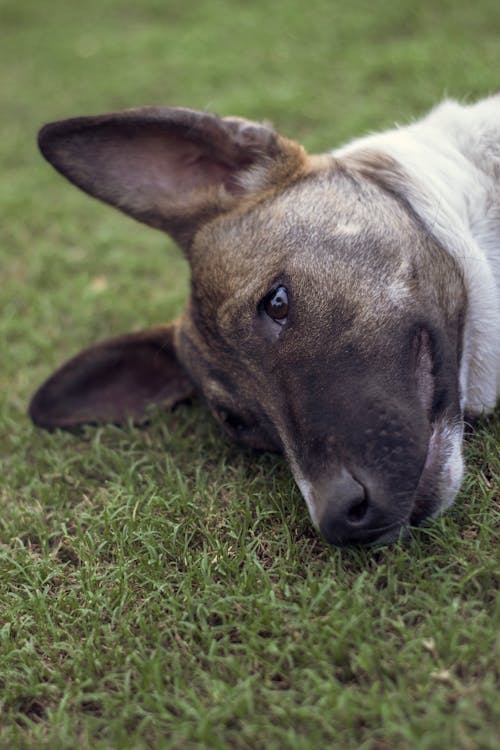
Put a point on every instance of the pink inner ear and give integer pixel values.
(161, 167)
(113, 381)
(122, 386)
(170, 168)
(423, 370)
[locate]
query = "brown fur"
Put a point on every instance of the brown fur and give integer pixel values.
(349, 387)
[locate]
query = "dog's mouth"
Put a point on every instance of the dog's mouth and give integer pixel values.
(380, 536)
(379, 523)
(438, 485)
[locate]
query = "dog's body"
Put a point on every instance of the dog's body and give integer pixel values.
(344, 308)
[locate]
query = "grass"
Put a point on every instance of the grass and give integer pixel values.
(160, 588)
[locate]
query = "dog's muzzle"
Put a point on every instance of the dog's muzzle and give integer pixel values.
(350, 515)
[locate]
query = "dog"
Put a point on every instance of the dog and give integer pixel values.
(344, 307)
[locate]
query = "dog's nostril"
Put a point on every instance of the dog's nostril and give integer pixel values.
(358, 510)
(352, 514)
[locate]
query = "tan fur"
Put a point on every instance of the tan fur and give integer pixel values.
(350, 383)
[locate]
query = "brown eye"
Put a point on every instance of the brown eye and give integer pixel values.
(276, 304)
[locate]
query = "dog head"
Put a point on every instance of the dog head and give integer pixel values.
(324, 321)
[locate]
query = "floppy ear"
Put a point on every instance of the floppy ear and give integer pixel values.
(171, 168)
(113, 381)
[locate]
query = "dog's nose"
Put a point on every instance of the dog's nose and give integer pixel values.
(350, 516)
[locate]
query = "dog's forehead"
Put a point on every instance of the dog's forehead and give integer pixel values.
(336, 242)
(327, 230)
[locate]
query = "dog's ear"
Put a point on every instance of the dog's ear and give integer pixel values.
(114, 381)
(170, 168)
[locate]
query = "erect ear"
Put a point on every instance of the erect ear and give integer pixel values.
(113, 381)
(170, 168)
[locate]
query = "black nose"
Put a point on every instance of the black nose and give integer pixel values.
(351, 516)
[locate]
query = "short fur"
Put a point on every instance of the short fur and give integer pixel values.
(388, 252)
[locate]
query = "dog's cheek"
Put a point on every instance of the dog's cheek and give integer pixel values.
(256, 436)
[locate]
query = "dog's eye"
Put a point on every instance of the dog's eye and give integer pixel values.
(276, 304)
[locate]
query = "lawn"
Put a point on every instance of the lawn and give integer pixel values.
(160, 587)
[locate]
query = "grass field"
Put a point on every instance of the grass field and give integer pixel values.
(161, 588)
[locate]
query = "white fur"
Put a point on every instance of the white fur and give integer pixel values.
(445, 451)
(453, 470)
(306, 490)
(451, 160)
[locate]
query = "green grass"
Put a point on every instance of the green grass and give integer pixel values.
(160, 588)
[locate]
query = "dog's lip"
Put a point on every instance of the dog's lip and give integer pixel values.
(379, 536)
(423, 501)
(389, 534)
